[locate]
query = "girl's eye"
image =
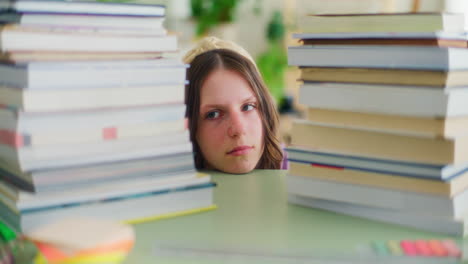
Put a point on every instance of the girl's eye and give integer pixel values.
(248, 107)
(212, 115)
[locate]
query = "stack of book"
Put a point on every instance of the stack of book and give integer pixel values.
(386, 133)
(92, 118)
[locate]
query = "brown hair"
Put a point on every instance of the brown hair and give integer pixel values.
(202, 66)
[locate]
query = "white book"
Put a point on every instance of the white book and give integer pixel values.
(97, 22)
(386, 99)
(83, 7)
(99, 169)
(56, 156)
(418, 203)
(30, 100)
(372, 56)
(31, 38)
(145, 207)
(35, 123)
(75, 177)
(62, 75)
(427, 222)
(108, 190)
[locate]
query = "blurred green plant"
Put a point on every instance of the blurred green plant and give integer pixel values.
(273, 62)
(210, 13)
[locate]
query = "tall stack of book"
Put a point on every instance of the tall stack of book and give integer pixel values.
(386, 133)
(92, 117)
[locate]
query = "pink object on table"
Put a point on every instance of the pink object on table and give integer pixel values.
(408, 248)
(437, 248)
(452, 248)
(423, 248)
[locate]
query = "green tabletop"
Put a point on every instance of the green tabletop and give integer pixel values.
(254, 223)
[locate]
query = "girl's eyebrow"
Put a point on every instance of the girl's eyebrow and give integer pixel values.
(250, 98)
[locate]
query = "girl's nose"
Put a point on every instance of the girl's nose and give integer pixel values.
(236, 124)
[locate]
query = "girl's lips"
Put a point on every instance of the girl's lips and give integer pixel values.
(241, 150)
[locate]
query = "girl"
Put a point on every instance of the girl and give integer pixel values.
(233, 121)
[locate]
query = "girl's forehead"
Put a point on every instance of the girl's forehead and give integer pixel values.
(225, 86)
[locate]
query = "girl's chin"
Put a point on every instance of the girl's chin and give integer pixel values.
(239, 169)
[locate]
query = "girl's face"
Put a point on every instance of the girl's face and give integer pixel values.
(230, 131)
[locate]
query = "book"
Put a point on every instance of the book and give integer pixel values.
(383, 22)
(9, 217)
(30, 38)
(372, 56)
(410, 202)
(83, 7)
(439, 42)
(68, 121)
(165, 159)
(9, 190)
(56, 156)
(428, 223)
(429, 78)
(447, 127)
(385, 99)
(379, 144)
(361, 176)
(107, 190)
(402, 168)
(69, 74)
(89, 135)
(410, 36)
(8, 202)
(27, 56)
(145, 205)
(82, 176)
(78, 99)
(135, 23)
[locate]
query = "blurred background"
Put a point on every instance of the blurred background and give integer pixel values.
(264, 28)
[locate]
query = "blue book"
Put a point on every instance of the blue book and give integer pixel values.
(386, 166)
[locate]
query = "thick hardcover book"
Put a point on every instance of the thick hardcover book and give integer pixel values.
(440, 79)
(410, 202)
(57, 156)
(79, 99)
(139, 204)
(412, 101)
(31, 38)
(172, 158)
(361, 176)
(375, 165)
(83, 7)
(424, 126)
(461, 43)
(424, 222)
(373, 56)
(83, 21)
(69, 74)
(379, 144)
(385, 22)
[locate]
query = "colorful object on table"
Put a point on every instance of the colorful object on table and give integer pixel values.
(19, 250)
(381, 248)
(6, 233)
(394, 247)
(71, 241)
(417, 248)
